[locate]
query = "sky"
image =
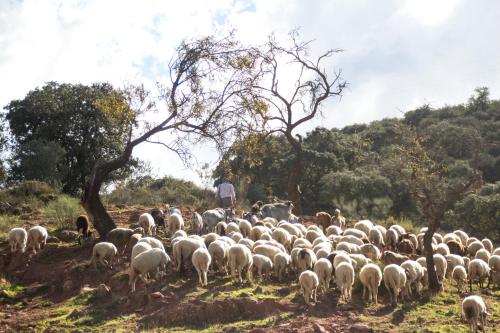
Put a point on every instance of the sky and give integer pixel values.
(397, 55)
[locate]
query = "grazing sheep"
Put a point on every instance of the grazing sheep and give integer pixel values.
(348, 247)
(389, 257)
(120, 238)
(456, 248)
(462, 235)
(323, 219)
(391, 239)
(414, 275)
(209, 238)
(240, 260)
(306, 258)
(497, 251)
(394, 280)
(82, 226)
(473, 310)
(102, 251)
(139, 248)
(147, 222)
(282, 236)
(488, 245)
(17, 239)
(370, 251)
(473, 247)
(441, 266)
(370, 277)
(344, 278)
(159, 217)
(354, 232)
(175, 222)
(359, 260)
(323, 269)
(478, 271)
(232, 227)
(451, 237)
(220, 228)
(351, 239)
(147, 262)
(376, 237)
(247, 242)
(459, 275)
(134, 239)
(281, 263)
(201, 261)
(364, 225)
(196, 223)
(183, 250)
(333, 230)
(339, 257)
(309, 283)
(406, 246)
(37, 238)
(442, 249)
(155, 243)
(482, 254)
(262, 263)
(399, 229)
(312, 234)
(322, 253)
(267, 250)
(211, 217)
(453, 261)
(494, 264)
(218, 252)
(279, 211)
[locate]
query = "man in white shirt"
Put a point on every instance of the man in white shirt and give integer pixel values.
(225, 194)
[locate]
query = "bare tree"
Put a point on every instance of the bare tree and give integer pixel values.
(432, 186)
(202, 101)
(293, 105)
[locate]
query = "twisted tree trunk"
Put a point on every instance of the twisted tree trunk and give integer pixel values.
(434, 284)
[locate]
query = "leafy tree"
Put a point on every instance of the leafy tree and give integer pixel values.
(66, 114)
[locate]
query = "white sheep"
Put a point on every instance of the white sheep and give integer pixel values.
(281, 263)
(37, 238)
(488, 245)
(359, 260)
(322, 253)
(399, 229)
(323, 269)
(312, 234)
(452, 236)
(376, 237)
(414, 275)
(147, 222)
(306, 258)
(309, 283)
(391, 238)
(341, 257)
(355, 232)
(344, 278)
(201, 261)
(262, 263)
(459, 275)
(267, 250)
(147, 262)
(240, 260)
(333, 230)
(102, 251)
(245, 227)
(473, 247)
(183, 250)
(348, 247)
(302, 242)
(247, 242)
(442, 249)
(394, 280)
(139, 248)
(482, 254)
(232, 227)
(370, 277)
(235, 236)
(155, 243)
(219, 251)
(282, 236)
(364, 225)
(209, 238)
(17, 239)
(473, 310)
(462, 235)
(196, 223)
(497, 251)
(257, 232)
(351, 239)
(175, 222)
(478, 270)
(370, 251)
(441, 266)
(494, 264)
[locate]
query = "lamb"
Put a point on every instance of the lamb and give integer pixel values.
(488, 245)
(183, 250)
(323, 269)
(155, 243)
(82, 226)
(102, 251)
(376, 237)
(147, 262)
(364, 225)
(494, 264)
(201, 261)
(459, 275)
(478, 270)
(323, 219)
(218, 252)
(281, 262)
(370, 277)
(175, 222)
(196, 223)
(474, 309)
(37, 238)
(306, 258)
(414, 275)
(370, 251)
(17, 239)
(309, 283)
(147, 222)
(482, 254)
(262, 263)
(139, 248)
(389, 257)
(344, 277)
(240, 260)
(120, 238)
(394, 280)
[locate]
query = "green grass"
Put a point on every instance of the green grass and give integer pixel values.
(8, 222)
(12, 290)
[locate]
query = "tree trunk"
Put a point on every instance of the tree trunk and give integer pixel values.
(91, 199)
(434, 284)
(293, 185)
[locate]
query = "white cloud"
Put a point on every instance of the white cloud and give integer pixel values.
(398, 54)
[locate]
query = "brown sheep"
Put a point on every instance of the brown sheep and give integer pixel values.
(406, 246)
(323, 219)
(389, 257)
(456, 248)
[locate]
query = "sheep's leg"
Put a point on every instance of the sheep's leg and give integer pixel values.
(205, 277)
(315, 291)
(199, 275)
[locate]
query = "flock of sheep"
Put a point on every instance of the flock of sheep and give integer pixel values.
(271, 239)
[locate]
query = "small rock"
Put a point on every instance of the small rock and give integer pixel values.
(103, 290)
(53, 240)
(319, 329)
(360, 328)
(157, 295)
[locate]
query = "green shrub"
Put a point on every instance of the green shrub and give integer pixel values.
(61, 212)
(8, 222)
(405, 223)
(26, 197)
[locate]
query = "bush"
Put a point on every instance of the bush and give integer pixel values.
(61, 212)
(8, 222)
(26, 197)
